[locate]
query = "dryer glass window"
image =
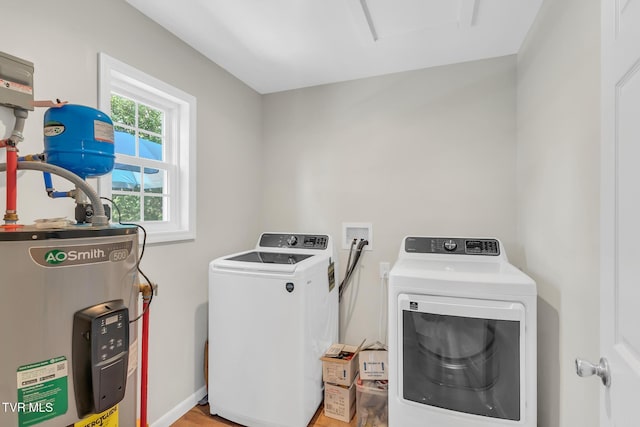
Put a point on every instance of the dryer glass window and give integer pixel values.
(464, 364)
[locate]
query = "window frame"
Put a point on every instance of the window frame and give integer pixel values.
(179, 144)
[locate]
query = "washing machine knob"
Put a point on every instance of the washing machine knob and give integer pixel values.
(450, 245)
(292, 240)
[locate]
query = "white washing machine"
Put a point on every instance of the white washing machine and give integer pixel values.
(462, 336)
(273, 312)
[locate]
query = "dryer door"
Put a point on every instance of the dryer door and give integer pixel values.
(462, 354)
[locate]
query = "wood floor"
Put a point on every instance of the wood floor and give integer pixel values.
(199, 417)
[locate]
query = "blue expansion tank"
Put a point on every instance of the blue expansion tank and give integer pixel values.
(80, 139)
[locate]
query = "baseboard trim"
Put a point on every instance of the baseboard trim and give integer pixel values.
(180, 409)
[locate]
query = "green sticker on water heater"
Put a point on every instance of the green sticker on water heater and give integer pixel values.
(42, 391)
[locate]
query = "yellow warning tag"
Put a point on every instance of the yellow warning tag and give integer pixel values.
(108, 418)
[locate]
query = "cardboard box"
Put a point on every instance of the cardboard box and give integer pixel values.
(340, 364)
(373, 364)
(340, 401)
(371, 403)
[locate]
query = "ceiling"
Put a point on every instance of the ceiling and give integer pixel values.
(276, 45)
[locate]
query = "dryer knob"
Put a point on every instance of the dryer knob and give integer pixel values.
(450, 245)
(292, 240)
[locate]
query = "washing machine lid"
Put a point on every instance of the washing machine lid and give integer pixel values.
(269, 257)
(285, 253)
(265, 261)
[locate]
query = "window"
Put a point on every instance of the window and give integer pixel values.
(153, 181)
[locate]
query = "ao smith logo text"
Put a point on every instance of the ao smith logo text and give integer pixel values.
(64, 256)
(58, 256)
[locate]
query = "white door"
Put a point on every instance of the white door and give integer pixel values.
(620, 213)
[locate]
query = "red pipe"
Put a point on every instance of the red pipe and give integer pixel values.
(144, 375)
(11, 216)
(12, 182)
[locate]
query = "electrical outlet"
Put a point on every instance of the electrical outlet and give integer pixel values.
(358, 231)
(384, 270)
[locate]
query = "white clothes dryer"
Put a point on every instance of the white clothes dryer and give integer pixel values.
(462, 336)
(273, 312)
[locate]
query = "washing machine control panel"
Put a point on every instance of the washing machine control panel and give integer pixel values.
(301, 241)
(452, 245)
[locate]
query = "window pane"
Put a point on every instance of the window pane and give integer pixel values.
(153, 208)
(125, 141)
(150, 119)
(129, 207)
(123, 110)
(150, 146)
(154, 180)
(125, 177)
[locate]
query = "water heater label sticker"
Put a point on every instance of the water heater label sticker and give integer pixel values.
(103, 131)
(65, 256)
(42, 391)
(108, 418)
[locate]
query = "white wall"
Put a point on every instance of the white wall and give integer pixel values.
(63, 39)
(428, 152)
(558, 200)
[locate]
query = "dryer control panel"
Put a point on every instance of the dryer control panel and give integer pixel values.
(452, 245)
(300, 241)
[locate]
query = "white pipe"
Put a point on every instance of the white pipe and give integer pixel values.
(99, 217)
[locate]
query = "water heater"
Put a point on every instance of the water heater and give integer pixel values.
(69, 353)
